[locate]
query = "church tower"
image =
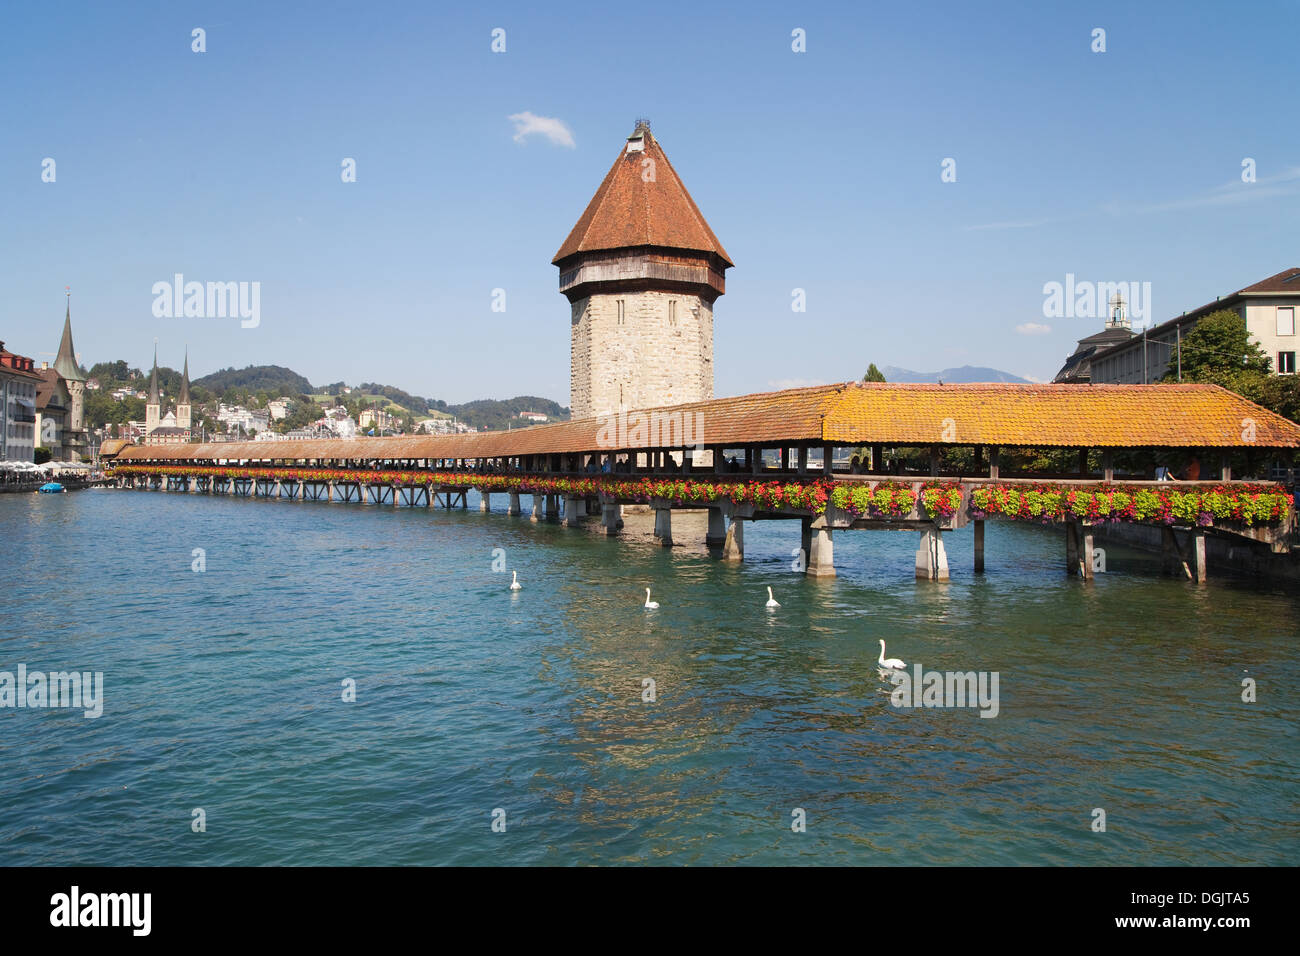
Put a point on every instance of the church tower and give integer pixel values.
(641, 271)
(152, 416)
(183, 403)
(75, 381)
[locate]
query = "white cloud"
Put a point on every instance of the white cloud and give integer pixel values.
(781, 384)
(555, 130)
(1033, 328)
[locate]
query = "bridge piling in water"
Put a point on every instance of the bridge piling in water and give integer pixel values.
(733, 547)
(664, 526)
(931, 558)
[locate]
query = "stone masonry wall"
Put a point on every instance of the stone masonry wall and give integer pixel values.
(646, 360)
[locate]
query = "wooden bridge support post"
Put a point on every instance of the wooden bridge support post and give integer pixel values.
(664, 527)
(1079, 550)
(484, 501)
(574, 511)
(552, 507)
(329, 492)
(931, 558)
(716, 536)
(513, 509)
(821, 551)
(979, 547)
(733, 547)
(1199, 569)
(609, 517)
(537, 509)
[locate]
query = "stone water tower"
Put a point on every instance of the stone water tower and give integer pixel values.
(641, 271)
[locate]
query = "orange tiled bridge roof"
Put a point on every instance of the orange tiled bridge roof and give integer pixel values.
(1072, 416)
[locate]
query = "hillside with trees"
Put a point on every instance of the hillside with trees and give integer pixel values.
(272, 379)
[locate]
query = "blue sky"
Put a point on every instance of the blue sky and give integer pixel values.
(817, 170)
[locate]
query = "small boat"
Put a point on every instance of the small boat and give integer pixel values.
(51, 488)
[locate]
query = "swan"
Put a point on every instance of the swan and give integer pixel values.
(514, 581)
(649, 604)
(771, 601)
(892, 663)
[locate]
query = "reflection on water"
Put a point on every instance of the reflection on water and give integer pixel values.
(223, 691)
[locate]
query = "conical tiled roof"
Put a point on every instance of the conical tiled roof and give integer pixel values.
(153, 380)
(185, 381)
(632, 208)
(66, 363)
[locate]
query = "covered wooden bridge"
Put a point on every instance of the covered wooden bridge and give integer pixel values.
(851, 456)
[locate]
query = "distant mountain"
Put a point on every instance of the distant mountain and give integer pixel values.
(956, 376)
(257, 378)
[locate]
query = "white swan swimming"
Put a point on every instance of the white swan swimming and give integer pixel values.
(650, 605)
(771, 601)
(514, 581)
(893, 663)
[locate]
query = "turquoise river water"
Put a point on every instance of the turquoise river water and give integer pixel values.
(223, 690)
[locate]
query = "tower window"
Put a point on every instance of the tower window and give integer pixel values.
(620, 311)
(672, 311)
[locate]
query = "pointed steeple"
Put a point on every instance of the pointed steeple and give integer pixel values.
(66, 363)
(185, 380)
(153, 381)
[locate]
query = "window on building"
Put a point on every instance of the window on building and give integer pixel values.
(1286, 320)
(1285, 363)
(620, 311)
(672, 311)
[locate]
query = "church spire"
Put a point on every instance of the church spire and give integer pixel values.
(185, 380)
(153, 381)
(66, 363)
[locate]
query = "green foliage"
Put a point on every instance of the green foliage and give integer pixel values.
(488, 413)
(1281, 394)
(396, 396)
(101, 409)
(302, 412)
(1219, 347)
(41, 455)
(113, 374)
(873, 374)
(272, 379)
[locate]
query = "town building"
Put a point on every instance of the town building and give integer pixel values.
(174, 427)
(1077, 369)
(60, 402)
(241, 419)
(53, 403)
(1268, 309)
(641, 270)
(378, 419)
(18, 386)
